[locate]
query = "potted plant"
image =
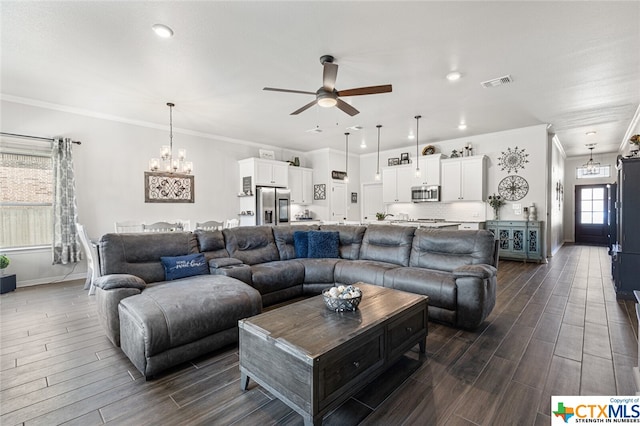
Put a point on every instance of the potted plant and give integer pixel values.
(496, 201)
(383, 216)
(7, 282)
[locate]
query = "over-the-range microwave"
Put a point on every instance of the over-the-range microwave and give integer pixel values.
(425, 193)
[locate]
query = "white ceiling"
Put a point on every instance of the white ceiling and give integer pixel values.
(575, 65)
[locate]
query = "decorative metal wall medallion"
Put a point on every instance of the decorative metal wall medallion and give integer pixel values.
(320, 191)
(512, 161)
(162, 187)
(513, 188)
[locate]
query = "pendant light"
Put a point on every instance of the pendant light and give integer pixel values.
(417, 117)
(591, 167)
(377, 177)
(177, 165)
(346, 158)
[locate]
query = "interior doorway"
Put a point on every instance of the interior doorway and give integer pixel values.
(591, 214)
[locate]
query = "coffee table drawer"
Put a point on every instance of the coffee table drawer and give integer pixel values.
(406, 331)
(340, 370)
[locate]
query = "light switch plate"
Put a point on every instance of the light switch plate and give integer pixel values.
(517, 207)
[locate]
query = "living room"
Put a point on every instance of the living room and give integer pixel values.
(222, 115)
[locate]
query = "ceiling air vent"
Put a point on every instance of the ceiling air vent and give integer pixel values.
(497, 81)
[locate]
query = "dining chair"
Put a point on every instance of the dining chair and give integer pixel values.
(91, 251)
(231, 223)
(128, 226)
(210, 225)
(186, 224)
(161, 227)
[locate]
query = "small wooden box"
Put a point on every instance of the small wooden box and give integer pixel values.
(7, 283)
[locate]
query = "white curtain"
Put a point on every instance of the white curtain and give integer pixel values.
(66, 247)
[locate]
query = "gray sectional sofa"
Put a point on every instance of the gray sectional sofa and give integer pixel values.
(162, 323)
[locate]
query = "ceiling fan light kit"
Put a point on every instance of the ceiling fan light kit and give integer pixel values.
(327, 96)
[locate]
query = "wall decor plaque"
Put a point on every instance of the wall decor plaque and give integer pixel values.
(335, 174)
(513, 188)
(162, 187)
(320, 191)
(513, 160)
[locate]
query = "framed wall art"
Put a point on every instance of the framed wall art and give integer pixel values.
(320, 191)
(162, 187)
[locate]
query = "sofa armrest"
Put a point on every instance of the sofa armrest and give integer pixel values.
(481, 271)
(113, 281)
(221, 262)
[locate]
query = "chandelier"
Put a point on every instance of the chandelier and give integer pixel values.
(591, 167)
(167, 162)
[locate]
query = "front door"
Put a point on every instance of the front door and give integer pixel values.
(591, 214)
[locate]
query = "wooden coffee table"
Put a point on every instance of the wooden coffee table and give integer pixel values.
(314, 359)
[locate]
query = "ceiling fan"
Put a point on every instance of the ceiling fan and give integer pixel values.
(327, 96)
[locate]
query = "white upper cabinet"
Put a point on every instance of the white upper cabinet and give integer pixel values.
(396, 184)
(266, 172)
(429, 170)
(301, 185)
(463, 179)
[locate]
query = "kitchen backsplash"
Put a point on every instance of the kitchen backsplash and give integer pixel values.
(463, 212)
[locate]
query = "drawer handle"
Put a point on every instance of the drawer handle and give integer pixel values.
(356, 364)
(409, 329)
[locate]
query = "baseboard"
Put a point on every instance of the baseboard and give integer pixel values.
(51, 280)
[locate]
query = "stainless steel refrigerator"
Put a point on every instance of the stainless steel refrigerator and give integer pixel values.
(272, 206)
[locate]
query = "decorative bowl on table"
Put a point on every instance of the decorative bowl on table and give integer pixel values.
(342, 298)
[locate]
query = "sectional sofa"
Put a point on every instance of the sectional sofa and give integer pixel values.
(160, 323)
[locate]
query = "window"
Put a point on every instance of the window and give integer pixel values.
(602, 172)
(26, 195)
(592, 206)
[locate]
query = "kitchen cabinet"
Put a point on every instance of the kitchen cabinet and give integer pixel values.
(463, 179)
(518, 239)
(429, 170)
(265, 172)
(396, 184)
(471, 226)
(301, 185)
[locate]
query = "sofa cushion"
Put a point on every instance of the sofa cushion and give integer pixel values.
(108, 282)
(285, 241)
(446, 250)
(301, 244)
(139, 254)
(323, 244)
(387, 243)
(368, 271)
(273, 276)
(251, 244)
(184, 266)
(211, 243)
(439, 286)
(318, 271)
(350, 239)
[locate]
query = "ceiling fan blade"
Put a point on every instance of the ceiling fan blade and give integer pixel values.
(347, 108)
(329, 76)
(273, 89)
(304, 108)
(371, 90)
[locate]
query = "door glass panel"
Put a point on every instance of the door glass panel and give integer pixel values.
(592, 206)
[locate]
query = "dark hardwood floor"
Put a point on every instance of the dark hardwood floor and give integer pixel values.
(557, 329)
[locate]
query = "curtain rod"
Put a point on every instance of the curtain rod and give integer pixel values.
(34, 137)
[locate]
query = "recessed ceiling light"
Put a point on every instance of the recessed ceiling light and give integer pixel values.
(162, 31)
(453, 76)
(363, 144)
(356, 127)
(462, 126)
(590, 133)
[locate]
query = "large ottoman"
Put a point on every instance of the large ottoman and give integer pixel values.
(175, 322)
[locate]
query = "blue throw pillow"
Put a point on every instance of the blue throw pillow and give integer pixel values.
(324, 244)
(301, 243)
(184, 266)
